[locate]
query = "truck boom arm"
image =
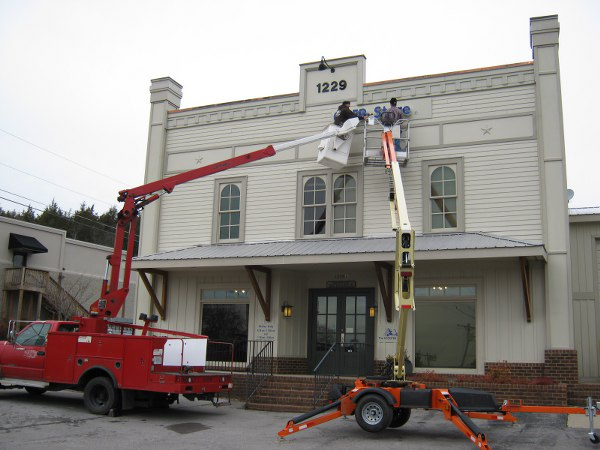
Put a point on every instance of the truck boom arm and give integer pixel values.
(135, 199)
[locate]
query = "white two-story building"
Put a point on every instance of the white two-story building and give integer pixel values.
(486, 192)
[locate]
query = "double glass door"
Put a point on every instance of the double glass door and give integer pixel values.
(341, 317)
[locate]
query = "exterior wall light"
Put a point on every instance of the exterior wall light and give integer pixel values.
(372, 311)
(323, 65)
(287, 310)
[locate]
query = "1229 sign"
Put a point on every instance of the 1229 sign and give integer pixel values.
(334, 86)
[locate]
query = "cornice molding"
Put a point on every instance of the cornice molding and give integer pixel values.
(411, 88)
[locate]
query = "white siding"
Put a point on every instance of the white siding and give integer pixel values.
(474, 105)
(496, 171)
(585, 281)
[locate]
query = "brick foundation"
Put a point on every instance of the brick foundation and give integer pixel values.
(290, 366)
(561, 366)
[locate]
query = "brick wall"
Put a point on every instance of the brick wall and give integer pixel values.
(290, 366)
(516, 370)
(579, 393)
(561, 366)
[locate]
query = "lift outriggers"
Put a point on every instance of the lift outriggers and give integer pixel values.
(378, 403)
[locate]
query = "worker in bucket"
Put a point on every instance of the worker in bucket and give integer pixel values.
(344, 113)
(390, 117)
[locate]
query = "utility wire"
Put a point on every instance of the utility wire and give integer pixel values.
(71, 217)
(66, 214)
(54, 184)
(62, 157)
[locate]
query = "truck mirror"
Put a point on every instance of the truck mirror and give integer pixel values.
(11, 336)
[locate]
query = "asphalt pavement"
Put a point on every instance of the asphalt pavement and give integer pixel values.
(58, 420)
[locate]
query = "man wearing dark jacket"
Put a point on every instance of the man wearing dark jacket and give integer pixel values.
(344, 113)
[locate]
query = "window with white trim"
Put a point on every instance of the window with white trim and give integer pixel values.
(443, 196)
(446, 327)
(330, 204)
(229, 210)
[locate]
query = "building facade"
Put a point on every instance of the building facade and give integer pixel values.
(485, 187)
(45, 275)
(585, 268)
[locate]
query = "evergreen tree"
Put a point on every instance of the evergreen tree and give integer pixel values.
(28, 215)
(53, 217)
(84, 224)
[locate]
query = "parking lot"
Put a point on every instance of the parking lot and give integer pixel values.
(59, 421)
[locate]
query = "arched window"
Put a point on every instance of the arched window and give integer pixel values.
(329, 204)
(314, 206)
(229, 212)
(344, 204)
(443, 198)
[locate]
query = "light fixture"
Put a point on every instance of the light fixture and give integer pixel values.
(372, 311)
(323, 65)
(287, 310)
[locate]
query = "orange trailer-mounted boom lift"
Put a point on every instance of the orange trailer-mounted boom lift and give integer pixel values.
(378, 403)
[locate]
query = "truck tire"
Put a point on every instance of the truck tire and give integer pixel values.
(100, 396)
(400, 417)
(373, 413)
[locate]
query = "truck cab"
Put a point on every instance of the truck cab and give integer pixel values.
(23, 355)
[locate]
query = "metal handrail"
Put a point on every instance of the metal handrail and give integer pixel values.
(263, 359)
(321, 382)
(331, 350)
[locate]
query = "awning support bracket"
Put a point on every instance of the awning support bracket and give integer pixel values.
(263, 299)
(160, 305)
(526, 282)
(385, 289)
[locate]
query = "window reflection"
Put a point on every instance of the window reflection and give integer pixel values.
(226, 323)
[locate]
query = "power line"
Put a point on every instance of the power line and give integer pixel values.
(66, 215)
(62, 157)
(26, 198)
(55, 184)
(106, 227)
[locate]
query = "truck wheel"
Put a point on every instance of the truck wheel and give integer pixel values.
(373, 413)
(34, 390)
(401, 416)
(100, 396)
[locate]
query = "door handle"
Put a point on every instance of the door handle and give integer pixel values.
(41, 353)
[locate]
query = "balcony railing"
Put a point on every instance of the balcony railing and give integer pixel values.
(26, 279)
(32, 280)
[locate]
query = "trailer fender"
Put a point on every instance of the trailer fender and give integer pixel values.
(389, 398)
(96, 371)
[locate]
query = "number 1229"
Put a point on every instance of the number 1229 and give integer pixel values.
(332, 87)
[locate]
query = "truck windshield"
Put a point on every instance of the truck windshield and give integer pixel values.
(35, 334)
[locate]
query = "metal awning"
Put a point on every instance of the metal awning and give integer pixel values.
(25, 244)
(440, 246)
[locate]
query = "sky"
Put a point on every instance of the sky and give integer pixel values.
(75, 74)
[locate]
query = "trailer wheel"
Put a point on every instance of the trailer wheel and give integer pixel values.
(373, 413)
(100, 396)
(400, 417)
(34, 390)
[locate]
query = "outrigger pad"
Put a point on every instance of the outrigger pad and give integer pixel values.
(474, 400)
